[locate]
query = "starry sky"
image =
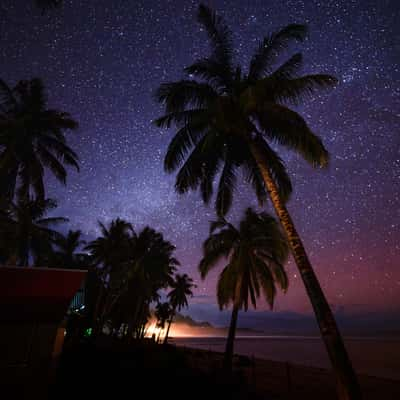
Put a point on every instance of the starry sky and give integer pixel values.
(103, 62)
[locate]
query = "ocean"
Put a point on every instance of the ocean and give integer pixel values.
(371, 356)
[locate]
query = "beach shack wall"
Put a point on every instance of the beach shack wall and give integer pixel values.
(33, 303)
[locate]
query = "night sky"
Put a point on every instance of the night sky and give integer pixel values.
(102, 60)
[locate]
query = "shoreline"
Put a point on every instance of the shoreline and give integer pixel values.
(294, 337)
(286, 379)
(373, 357)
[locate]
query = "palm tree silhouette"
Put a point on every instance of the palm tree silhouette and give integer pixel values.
(29, 232)
(181, 288)
(151, 269)
(132, 268)
(256, 253)
(109, 253)
(227, 119)
(162, 313)
(32, 140)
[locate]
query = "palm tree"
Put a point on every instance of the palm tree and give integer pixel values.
(109, 253)
(151, 269)
(67, 255)
(162, 313)
(132, 268)
(255, 253)
(32, 140)
(181, 288)
(227, 119)
(29, 232)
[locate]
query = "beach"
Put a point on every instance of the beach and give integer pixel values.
(286, 375)
(378, 357)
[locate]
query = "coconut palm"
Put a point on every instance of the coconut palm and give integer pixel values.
(255, 252)
(132, 269)
(162, 313)
(181, 288)
(29, 232)
(32, 140)
(109, 253)
(151, 269)
(227, 119)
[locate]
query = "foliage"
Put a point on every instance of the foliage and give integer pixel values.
(132, 268)
(27, 231)
(222, 108)
(32, 140)
(255, 252)
(181, 289)
(162, 314)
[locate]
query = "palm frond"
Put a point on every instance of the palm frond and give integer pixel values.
(56, 121)
(288, 69)
(266, 282)
(52, 221)
(226, 187)
(211, 71)
(215, 248)
(61, 150)
(220, 223)
(220, 37)
(183, 141)
(288, 128)
(54, 165)
(226, 287)
(270, 48)
(203, 159)
(181, 118)
(297, 90)
(176, 96)
(210, 169)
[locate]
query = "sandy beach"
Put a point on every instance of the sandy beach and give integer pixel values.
(291, 380)
(378, 357)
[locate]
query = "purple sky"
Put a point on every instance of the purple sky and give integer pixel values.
(102, 64)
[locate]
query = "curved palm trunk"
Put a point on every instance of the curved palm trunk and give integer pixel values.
(230, 340)
(169, 325)
(347, 384)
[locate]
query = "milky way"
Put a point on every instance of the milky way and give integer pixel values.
(102, 64)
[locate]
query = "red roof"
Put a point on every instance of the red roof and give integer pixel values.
(40, 294)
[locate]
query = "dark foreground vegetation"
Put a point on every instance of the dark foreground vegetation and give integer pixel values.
(110, 369)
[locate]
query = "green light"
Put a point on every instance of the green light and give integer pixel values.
(88, 332)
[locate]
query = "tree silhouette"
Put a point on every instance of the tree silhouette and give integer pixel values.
(255, 252)
(32, 140)
(227, 119)
(132, 267)
(162, 313)
(29, 234)
(181, 288)
(109, 253)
